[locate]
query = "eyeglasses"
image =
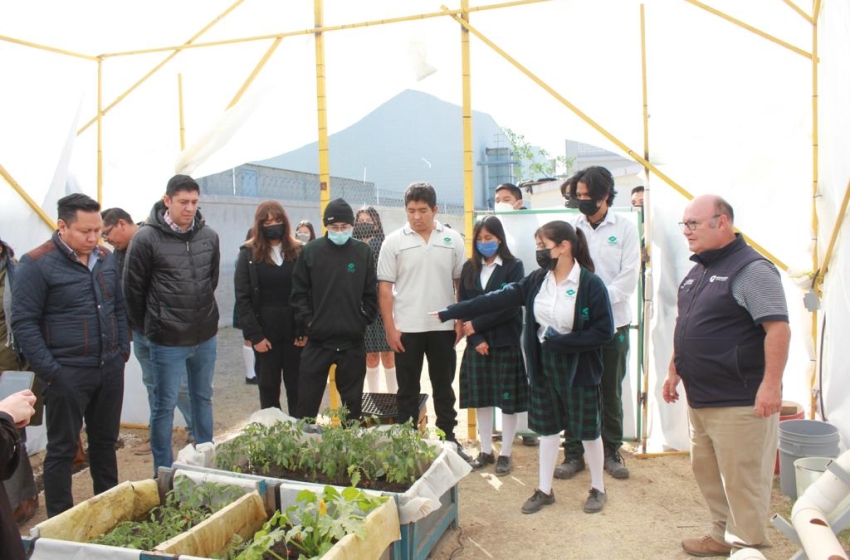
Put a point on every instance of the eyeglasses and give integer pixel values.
(106, 232)
(694, 224)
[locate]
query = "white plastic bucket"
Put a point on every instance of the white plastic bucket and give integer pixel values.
(799, 439)
(807, 470)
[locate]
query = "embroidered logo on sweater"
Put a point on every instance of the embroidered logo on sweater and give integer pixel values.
(351, 268)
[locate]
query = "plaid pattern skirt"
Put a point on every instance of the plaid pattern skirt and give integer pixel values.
(376, 337)
(495, 380)
(555, 406)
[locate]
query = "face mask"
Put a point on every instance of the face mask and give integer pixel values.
(340, 237)
(302, 236)
(273, 232)
(487, 248)
(503, 207)
(545, 260)
(588, 207)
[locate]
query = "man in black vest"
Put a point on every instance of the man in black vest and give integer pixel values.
(730, 348)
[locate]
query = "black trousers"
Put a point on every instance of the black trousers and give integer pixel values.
(313, 377)
(283, 361)
(438, 347)
(95, 394)
(614, 355)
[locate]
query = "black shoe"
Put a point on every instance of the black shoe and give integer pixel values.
(569, 468)
(460, 450)
(596, 500)
(530, 441)
(503, 466)
(482, 460)
(614, 463)
(537, 500)
(252, 380)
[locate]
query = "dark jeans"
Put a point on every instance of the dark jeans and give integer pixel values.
(284, 359)
(313, 377)
(95, 394)
(438, 347)
(614, 355)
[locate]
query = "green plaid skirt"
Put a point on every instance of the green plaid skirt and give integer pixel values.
(555, 406)
(495, 380)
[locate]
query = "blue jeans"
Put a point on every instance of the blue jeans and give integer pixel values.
(171, 363)
(142, 350)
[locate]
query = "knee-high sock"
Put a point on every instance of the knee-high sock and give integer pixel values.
(485, 428)
(508, 433)
(248, 360)
(594, 454)
(392, 384)
(548, 456)
(372, 380)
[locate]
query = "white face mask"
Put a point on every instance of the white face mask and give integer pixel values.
(503, 207)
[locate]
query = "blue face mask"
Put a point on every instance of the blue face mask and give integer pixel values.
(487, 248)
(340, 237)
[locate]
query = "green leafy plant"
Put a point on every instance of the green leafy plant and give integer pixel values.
(185, 506)
(343, 454)
(535, 162)
(312, 525)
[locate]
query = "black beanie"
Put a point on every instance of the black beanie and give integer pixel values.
(338, 211)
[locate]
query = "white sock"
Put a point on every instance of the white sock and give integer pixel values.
(594, 454)
(372, 380)
(485, 428)
(508, 433)
(548, 457)
(248, 360)
(392, 383)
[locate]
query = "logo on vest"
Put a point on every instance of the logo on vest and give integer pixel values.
(351, 268)
(686, 283)
(718, 278)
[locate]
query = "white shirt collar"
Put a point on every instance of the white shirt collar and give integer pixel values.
(407, 229)
(496, 261)
(610, 218)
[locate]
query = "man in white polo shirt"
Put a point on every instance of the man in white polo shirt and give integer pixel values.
(418, 271)
(615, 250)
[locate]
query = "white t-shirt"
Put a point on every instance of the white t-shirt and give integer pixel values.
(423, 274)
(615, 250)
(555, 304)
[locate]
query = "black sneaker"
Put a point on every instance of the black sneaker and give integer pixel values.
(460, 450)
(614, 464)
(596, 500)
(252, 380)
(482, 460)
(569, 468)
(537, 500)
(503, 466)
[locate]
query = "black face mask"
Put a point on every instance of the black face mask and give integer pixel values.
(588, 207)
(545, 260)
(273, 232)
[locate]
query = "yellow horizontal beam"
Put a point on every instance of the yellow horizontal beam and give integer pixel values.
(324, 29)
(23, 194)
(596, 126)
(748, 27)
(46, 48)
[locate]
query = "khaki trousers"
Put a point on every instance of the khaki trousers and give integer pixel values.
(733, 453)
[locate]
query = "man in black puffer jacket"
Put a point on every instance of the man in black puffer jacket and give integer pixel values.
(68, 318)
(170, 277)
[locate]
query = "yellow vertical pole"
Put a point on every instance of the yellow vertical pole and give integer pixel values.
(647, 279)
(815, 224)
(100, 130)
(324, 165)
(180, 111)
(468, 185)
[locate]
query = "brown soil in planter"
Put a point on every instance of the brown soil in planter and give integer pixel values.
(646, 516)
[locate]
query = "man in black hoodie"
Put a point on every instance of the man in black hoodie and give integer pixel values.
(334, 293)
(170, 277)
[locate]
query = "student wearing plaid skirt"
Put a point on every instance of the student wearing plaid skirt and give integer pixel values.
(492, 372)
(569, 318)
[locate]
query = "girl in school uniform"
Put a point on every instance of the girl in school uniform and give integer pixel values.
(569, 319)
(492, 373)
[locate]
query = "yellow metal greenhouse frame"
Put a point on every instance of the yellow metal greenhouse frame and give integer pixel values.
(462, 16)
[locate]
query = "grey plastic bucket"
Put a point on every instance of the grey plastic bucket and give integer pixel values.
(799, 439)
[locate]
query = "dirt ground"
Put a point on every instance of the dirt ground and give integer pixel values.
(646, 516)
